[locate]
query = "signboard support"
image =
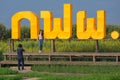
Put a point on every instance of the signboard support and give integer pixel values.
(97, 46)
(52, 45)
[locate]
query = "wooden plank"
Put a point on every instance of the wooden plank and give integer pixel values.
(64, 54)
(61, 62)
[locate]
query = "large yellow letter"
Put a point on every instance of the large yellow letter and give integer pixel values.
(48, 32)
(67, 24)
(86, 28)
(52, 31)
(34, 24)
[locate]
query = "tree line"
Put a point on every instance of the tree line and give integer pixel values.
(5, 33)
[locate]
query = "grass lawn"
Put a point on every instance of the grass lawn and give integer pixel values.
(64, 72)
(65, 45)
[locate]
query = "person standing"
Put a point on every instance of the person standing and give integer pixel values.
(20, 51)
(40, 39)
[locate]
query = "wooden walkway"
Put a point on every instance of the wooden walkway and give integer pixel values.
(72, 58)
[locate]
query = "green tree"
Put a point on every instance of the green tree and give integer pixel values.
(74, 31)
(111, 28)
(7, 34)
(2, 31)
(25, 32)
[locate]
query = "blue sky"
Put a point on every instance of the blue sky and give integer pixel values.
(10, 7)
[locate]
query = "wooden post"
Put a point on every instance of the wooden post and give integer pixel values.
(70, 58)
(117, 59)
(49, 58)
(26, 58)
(0, 65)
(52, 45)
(11, 45)
(97, 46)
(94, 59)
(5, 57)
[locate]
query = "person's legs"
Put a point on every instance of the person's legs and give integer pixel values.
(22, 63)
(40, 45)
(19, 64)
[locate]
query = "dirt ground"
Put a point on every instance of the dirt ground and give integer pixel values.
(26, 70)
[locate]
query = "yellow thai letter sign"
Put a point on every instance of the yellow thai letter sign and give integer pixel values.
(34, 24)
(58, 30)
(91, 27)
(61, 28)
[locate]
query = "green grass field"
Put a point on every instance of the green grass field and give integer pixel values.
(65, 72)
(66, 45)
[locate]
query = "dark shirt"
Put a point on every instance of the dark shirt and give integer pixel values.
(20, 52)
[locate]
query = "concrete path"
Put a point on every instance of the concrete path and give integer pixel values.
(26, 69)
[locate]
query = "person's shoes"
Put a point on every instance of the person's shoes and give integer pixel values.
(40, 51)
(23, 69)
